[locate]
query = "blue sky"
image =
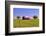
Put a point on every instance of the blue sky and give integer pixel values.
(25, 12)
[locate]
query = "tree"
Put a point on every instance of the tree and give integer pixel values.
(23, 17)
(35, 17)
(18, 17)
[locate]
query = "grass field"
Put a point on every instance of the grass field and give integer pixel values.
(26, 23)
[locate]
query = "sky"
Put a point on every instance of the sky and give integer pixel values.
(25, 12)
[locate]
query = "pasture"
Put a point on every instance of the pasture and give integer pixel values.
(18, 23)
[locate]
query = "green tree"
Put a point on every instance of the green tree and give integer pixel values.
(18, 17)
(35, 17)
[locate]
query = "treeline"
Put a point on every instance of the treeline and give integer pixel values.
(34, 17)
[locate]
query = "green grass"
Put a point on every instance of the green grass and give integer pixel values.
(26, 23)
